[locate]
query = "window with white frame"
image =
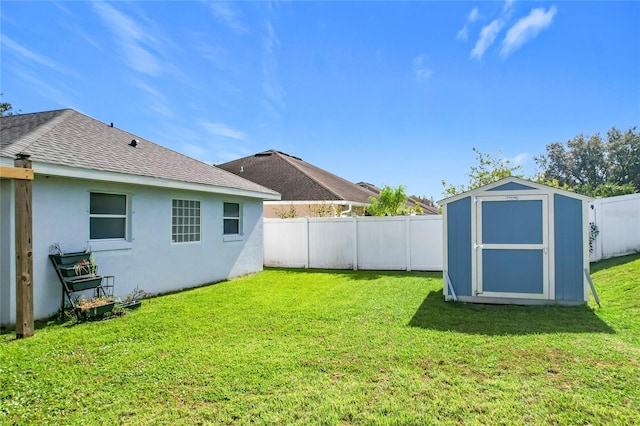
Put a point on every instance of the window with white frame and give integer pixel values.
(185, 221)
(231, 217)
(107, 216)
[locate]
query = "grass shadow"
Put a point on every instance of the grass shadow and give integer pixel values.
(359, 275)
(612, 262)
(498, 320)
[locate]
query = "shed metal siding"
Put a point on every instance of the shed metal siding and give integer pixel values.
(512, 222)
(569, 248)
(459, 245)
(511, 186)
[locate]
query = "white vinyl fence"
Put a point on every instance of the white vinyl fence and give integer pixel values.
(379, 243)
(415, 242)
(618, 222)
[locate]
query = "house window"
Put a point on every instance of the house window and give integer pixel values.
(107, 216)
(231, 219)
(185, 221)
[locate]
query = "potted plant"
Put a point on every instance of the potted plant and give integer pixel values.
(133, 299)
(94, 307)
(85, 267)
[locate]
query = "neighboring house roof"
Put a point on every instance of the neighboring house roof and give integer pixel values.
(296, 179)
(411, 201)
(68, 143)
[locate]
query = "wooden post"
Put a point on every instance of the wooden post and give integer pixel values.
(24, 252)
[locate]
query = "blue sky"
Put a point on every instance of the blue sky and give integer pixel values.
(385, 92)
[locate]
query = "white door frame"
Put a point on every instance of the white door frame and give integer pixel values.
(478, 246)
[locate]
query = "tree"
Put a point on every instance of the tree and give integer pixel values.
(391, 202)
(5, 109)
(593, 166)
(489, 169)
(624, 157)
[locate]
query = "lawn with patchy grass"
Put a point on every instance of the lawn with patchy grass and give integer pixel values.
(335, 347)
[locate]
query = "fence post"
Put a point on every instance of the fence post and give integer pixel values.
(355, 242)
(307, 239)
(407, 233)
(24, 252)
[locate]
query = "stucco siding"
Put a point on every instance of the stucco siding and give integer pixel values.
(148, 259)
(7, 252)
(459, 245)
(569, 248)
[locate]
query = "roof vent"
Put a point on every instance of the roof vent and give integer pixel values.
(241, 169)
(133, 143)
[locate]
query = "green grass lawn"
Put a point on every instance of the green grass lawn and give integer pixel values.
(335, 347)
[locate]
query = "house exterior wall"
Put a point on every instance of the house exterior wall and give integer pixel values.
(148, 259)
(7, 252)
(277, 209)
(569, 248)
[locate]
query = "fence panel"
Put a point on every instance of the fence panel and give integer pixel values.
(426, 243)
(377, 243)
(331, 243)
(618, 222)
(285, 243)
(382, 243)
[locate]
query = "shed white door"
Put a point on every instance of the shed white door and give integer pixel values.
(511, 248)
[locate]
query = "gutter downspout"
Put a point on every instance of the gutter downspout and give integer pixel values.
(344, 213)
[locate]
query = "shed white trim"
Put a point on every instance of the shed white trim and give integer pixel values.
(512, 179)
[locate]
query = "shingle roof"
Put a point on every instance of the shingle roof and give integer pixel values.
(69, 138)
(296, 179)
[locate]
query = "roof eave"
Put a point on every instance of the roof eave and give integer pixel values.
(311, 202)
(105, 176)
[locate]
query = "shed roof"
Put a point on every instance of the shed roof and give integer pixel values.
(296, 179)
(515, 181)
(72, 140)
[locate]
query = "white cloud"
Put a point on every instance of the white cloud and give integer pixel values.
(227, 14)
(135, 40)
(527, 28)
(420, 68)
(463, 34)
(58, 92)
(487, 37)
(221, 129)
(30, 56)
(507, 5)
(194, 151)
(155, 101)
(473, 16)
(520, 159)
(270, 85)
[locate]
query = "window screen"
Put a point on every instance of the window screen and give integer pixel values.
(231, 218)
(107, 216)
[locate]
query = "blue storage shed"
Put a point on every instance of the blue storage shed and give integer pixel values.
(516, 241)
